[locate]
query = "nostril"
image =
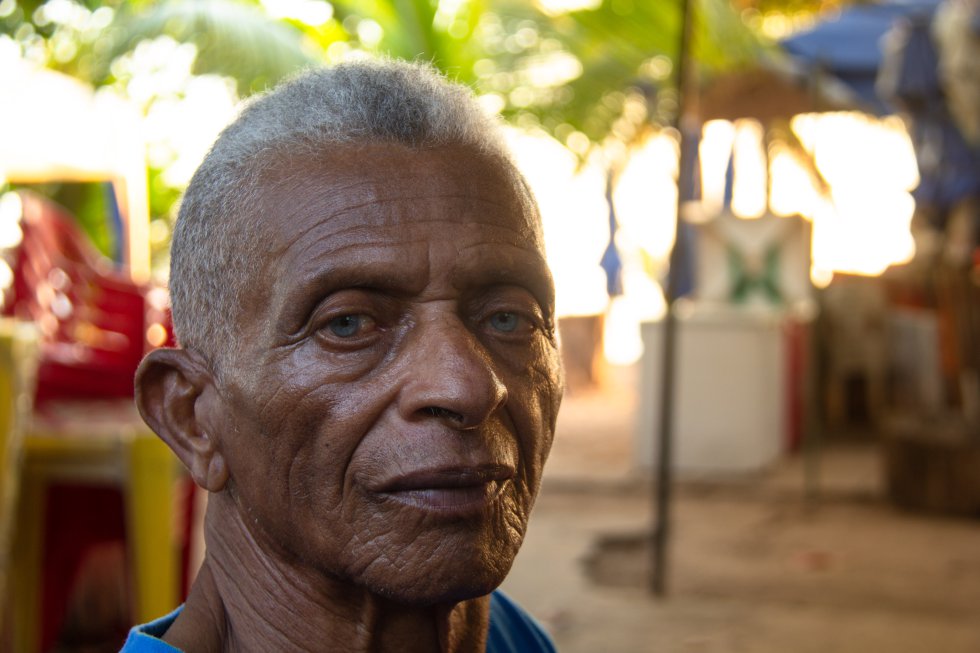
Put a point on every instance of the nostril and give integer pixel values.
(443, 413)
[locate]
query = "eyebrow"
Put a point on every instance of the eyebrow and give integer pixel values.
(384, 274)
(537, 281)
(334, 272)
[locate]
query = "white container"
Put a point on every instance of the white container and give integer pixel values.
(730, 391)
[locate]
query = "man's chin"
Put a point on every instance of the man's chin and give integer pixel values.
(438, 581)
(428, 595)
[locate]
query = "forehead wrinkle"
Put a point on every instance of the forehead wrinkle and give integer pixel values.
(365, 236)
(334, 263)
(350, 237)
(512, 269)
(371, 220)
(516, 246)
(327, 198)
(363, 189)
(307, 233)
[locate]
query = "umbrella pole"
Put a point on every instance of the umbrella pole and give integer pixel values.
(664, 448)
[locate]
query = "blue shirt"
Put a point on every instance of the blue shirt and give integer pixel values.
(512, 630)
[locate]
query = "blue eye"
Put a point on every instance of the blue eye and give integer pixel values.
(347, 326)
(506, 322)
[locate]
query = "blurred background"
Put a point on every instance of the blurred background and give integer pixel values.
(786, 192)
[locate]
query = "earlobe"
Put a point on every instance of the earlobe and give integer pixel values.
(170, 386)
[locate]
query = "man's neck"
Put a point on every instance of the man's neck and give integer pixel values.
(248, 599)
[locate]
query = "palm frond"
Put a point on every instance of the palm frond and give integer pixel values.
(232, 39)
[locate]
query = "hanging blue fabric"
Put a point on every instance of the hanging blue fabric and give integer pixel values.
(117, 227)
(689, 186)
(847, 45)
(949, 169)
(611, 262)
(726, 198)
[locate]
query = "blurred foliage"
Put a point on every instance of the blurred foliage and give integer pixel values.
(578, 71)
(588, 77)
(90, 203)
(793, 6)
(232, 39)
(625, 51)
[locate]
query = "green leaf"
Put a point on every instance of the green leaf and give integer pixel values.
(232, 39)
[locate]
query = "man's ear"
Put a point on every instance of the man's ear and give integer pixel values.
(171, 385)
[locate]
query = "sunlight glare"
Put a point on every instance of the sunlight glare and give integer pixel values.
(714, 150)
(558, 7)
(575, 217)
(749, 186)
(6, 277)
(792, 191)
(180, 143)
(309, 12)
(552, 69)
(643, 301)
(11, 212)
(870, 166)
(646, 196)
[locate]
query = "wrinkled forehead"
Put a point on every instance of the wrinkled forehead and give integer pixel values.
(350, 177)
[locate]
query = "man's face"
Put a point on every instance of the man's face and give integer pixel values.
(392, 400)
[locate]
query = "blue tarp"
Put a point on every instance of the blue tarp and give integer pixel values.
(904, 77)
(848, 46)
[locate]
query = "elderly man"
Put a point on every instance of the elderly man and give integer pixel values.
(368, 376)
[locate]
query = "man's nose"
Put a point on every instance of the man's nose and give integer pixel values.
(450, 377)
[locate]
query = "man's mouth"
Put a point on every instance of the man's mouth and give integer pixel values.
(451, 491)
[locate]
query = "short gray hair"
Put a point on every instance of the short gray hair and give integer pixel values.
(216, 247)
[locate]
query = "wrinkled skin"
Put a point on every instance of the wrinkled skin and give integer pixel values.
(377, 437)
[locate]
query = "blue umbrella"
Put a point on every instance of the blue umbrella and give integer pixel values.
(848, 45)
(949, 168)
(885, 54)
(908, 77)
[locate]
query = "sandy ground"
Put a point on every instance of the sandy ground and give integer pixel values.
(781, 561)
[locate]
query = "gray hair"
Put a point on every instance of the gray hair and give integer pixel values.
(216, 246)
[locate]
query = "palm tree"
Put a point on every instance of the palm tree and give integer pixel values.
(584, 76)
(626, 51)
(233, 39)
(587, 71)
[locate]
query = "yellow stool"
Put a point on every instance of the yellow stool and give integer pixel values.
(18, 366)
(99, 443)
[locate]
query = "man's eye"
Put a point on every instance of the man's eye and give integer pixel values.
(505, 321)
(348, 326)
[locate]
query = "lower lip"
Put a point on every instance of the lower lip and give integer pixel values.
(450, 501)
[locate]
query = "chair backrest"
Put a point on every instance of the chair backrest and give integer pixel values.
(92, 318)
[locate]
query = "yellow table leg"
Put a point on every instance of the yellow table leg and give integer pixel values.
(21, 517)
(151, 529)
(25, 577)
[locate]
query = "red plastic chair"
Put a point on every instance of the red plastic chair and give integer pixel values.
(92, 473)
(93, 319)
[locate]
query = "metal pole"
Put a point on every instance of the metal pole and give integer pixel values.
(664, 450)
